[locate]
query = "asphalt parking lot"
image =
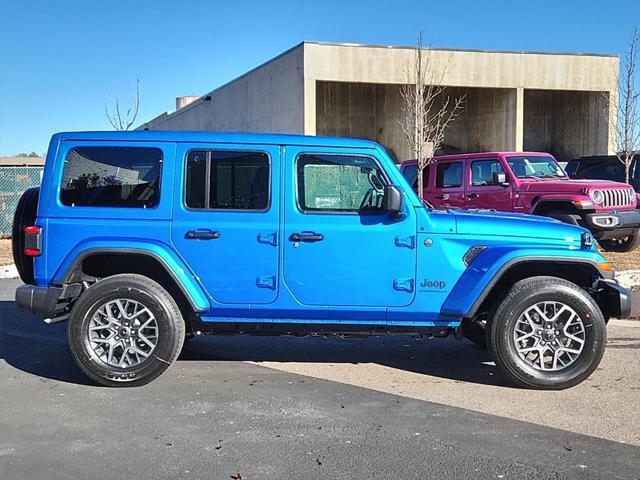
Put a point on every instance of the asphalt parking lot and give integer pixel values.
(311, 408)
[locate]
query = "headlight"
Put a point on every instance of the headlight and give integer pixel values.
(597, 196)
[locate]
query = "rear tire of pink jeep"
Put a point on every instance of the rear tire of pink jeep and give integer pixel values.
(546, 333)
(125, 331)
(623, 245)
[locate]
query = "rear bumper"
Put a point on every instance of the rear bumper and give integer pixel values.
(614, 300)
(605, 225)
(42, 301)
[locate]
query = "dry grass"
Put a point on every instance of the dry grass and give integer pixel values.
(6, 256)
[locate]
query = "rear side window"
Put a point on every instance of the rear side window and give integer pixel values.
(449, 175)
(604, 171)
(482, 172)
(339, 183)
(227, 180)
(112, 177)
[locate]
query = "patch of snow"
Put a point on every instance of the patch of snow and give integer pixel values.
(8, 271)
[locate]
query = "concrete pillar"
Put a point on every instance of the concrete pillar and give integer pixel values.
(519, 121)
(309, 106)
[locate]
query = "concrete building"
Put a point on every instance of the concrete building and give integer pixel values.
(561, 103)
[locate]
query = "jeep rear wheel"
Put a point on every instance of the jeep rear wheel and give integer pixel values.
(547, 333)
(125, 330)
(622, 245)
(24, 216)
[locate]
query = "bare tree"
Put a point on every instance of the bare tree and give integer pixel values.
(627, 120)
(124, 121)
(426, 110)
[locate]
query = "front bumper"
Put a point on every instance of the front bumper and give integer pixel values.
(613, 300)
(614, 224)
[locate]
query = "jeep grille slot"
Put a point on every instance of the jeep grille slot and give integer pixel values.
(619, 197)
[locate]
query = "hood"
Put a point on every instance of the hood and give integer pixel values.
(565, 185)
(489, 222)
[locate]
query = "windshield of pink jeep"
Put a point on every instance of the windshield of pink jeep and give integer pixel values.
(542, 166)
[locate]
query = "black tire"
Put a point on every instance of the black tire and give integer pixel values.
(474, 333)
(523, 295)
(24, 216)
(623, 245)
(170, 330)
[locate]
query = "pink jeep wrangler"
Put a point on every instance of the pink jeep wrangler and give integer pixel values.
(528, 182)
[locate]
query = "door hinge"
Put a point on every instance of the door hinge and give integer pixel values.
(266, 281)
(408, 241)
(403, 284)
(268, 238)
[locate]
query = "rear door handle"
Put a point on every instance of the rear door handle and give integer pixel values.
(306, 237)
(444, 196)
(473, 195)
(201, 235)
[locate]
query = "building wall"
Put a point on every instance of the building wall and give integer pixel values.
(566, 124)
(371, 111)
(269, 98)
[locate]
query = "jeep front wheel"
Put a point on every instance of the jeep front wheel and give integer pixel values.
(547, 333)
(622, 245)
(125, 330)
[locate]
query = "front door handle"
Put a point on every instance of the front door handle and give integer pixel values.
(473, 195)
(444, 196)
(201, 235)
(306, 237)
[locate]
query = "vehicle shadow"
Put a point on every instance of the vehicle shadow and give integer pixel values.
(29, 345)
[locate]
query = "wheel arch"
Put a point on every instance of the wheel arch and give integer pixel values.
(168, 271)
(543, 206)
(581, 271)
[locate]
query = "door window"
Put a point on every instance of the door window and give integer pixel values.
(449, 175)
(482, 172)
(411, 174)
(339, 183)
(227, 180)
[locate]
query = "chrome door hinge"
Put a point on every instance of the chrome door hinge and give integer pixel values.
(268, 238)
(403, 284)
(408, 241)
(266, 281)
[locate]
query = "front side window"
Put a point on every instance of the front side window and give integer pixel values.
(482, 172)
(537, 166)
(449, 175)
(111, 177)
(340, 183)
(411, 174)
(227, 180)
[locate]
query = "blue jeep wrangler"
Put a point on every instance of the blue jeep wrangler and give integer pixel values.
(143, 239)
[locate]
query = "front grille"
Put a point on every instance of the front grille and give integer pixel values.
(619, 197)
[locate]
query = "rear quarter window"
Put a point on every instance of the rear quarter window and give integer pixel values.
(111, 177)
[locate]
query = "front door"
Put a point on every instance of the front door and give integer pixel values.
(483, 191)
(340, 248)
(226, 224)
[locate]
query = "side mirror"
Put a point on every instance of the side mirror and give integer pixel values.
(500, 178)
(392, 202)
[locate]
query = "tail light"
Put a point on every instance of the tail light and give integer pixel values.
(32, 241)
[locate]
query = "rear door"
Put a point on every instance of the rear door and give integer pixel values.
(482, 191)
(446, 184)
(225, 223)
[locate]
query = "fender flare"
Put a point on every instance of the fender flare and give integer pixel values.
(477, 282)
(172, 264)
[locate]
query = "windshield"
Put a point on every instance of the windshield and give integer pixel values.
(535, 167)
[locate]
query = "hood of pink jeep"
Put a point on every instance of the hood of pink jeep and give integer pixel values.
(566, 185)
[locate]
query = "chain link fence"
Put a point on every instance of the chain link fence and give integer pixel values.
(13, 182)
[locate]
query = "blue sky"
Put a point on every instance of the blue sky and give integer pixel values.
(62, 60)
